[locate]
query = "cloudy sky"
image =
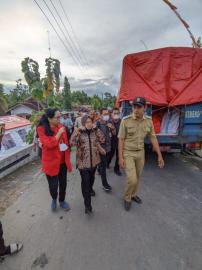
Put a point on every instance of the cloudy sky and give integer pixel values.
(107, 30)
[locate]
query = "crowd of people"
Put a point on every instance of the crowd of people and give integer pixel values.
(98, 138)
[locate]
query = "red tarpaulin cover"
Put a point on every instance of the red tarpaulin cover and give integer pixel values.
(165, 77)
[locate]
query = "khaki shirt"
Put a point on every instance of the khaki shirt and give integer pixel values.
(134, 131)
(78, 122)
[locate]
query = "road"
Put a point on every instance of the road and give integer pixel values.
(164, 233)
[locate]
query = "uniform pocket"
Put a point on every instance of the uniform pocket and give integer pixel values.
(131, 131)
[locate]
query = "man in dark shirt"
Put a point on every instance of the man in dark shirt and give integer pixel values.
(108, 130)
(116, 121)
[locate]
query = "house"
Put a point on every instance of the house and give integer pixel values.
(26, 108)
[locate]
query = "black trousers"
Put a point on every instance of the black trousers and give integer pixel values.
(3, 249)
(87, 182)
(103, 168)
(60, 181)
(114, 151)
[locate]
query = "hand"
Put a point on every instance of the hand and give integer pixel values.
(161, 162)
(61, 130)
(103, 152)
(34, 147)
(110, 125)
(76, 131)
(122, 163)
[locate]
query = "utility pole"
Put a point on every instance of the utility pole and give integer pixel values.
(49, 45)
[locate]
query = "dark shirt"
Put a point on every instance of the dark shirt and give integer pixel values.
(107, 133)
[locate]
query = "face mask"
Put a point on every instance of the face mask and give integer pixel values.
(63, 147)
(105, 117)
(116, 116)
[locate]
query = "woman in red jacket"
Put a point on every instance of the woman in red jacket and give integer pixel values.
(55, 156)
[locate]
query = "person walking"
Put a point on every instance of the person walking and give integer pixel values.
(87, 139)
(82, 113)
(10, 249)
(133, 130)
(116, 121)
(55, 156)
(108, 130)
(66, 121)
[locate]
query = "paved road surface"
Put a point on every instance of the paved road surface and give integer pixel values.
(165, 233)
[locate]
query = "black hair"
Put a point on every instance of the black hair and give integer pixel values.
(49, 113)
(103, 109)
(115, 109)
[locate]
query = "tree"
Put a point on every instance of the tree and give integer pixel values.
(30, 68)
(109, 100)
(66, 94)
(199, 42)
(80, 98)
(18, 94)
(46, 87)
(52, 76)
(3, 100)
(96, 102)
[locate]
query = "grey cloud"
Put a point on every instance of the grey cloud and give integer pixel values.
(107, 31)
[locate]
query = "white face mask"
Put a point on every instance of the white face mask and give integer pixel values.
(116, 116)
(63, 147)
(105, 117)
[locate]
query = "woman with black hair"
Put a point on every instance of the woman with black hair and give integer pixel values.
(87, 139)
(55, 156)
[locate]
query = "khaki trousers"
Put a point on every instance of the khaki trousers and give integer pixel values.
(134, 164)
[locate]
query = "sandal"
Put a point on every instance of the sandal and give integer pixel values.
(15, 248)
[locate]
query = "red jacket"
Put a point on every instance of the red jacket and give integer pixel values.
(51, 154)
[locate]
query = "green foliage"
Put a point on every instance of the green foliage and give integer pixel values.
(35, 121)
(18, 94)
(96, 102)
(36, 90)
(199, 42)
(53, 75)
(66, 95)
(51, 101)
(80, 98)
(109, 100)
(30, 68)
(3, 99)
(40, 88)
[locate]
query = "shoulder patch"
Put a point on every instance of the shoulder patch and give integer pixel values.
(127, 117)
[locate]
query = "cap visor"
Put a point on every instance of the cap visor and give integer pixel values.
(138, 104)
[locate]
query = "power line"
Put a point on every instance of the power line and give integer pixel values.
(74, 34)
(73, 53)
(71, 40)
(69, 52)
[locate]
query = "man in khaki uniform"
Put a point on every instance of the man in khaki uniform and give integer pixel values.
(133, 130)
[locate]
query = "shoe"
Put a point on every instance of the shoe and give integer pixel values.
(107, 188)
(127, 205)
(64, 205)
(88, 210)
(118, 173)
(137, 199)
(54, 205)
(92, 193)
(11, 250)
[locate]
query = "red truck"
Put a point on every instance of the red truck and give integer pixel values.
(171, 81)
